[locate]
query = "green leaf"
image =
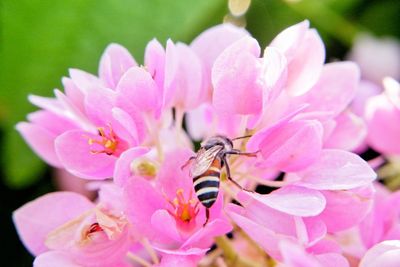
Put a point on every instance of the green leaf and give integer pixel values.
(41, 39)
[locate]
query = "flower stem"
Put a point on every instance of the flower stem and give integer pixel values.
(231, 256)
(146, 244)
(137, 259)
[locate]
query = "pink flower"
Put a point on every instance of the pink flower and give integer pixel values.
(296, 256)
(374, 66)
(66, 228)
(281, 215)
(86, 129)
(167, 211)
(377, 57)
(83, 130)
(385, 254)
(259, 98)
(290, 113)
(322, 194)
(382, 114)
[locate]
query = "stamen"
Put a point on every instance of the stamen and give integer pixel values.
(107, 140)
(183, 210)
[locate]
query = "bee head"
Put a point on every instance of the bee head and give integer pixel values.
(218, 140)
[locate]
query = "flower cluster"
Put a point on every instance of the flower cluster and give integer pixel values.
(288, 192)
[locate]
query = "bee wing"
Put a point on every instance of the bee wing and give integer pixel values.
(204, 159)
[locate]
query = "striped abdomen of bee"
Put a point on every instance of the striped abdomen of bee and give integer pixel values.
(206, 185)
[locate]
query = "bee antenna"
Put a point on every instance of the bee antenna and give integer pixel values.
(241, 137)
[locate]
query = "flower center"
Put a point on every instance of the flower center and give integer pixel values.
(95, 227)
(184, 211)
(144, 167)
(108, 141)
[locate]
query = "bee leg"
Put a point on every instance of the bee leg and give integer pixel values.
(207, 216)
(187, 162)
(238, 152)
(228, 173)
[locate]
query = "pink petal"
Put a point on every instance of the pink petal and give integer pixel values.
(142, 200)
(332, 260)
(183, 85)
(40, 140)
(198, 121)
(212, 42)
(294, 200)
(235, 78)
(279, 112)
(204, 237)
(72, 112)
(382, 216)
(326, 245)
(306, 65)
(115, 61)
(48, 103)
(366, 89)
(50, 121)
(170, 260)
(383, 125)
(138, 88)
(98, 105)
(65, 181)
(165, 224)
(392, 90)
(85, 81)
(74, 152)
(267, 239)
(316, 230)
(347, 124)
(345, 209)
(295, 256)
(130, 126)
(275, 72)
(229, 125)
(55, 258)
(125, 127)
(171, 177)
(182, 252)
(123, 171)
(37, 218)
(385, 254)
(272, 219)
(289, 39)
(337, 170)
(154, 59)
(73, 93)
(291, 146)
(335, 88)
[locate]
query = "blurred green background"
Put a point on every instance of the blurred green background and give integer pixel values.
(41, 39)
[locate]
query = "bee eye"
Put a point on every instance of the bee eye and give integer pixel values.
(208, 146)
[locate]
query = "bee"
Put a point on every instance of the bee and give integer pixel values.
(206, 169)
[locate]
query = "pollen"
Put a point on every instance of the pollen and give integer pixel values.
(107, 139)
(144, 167)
